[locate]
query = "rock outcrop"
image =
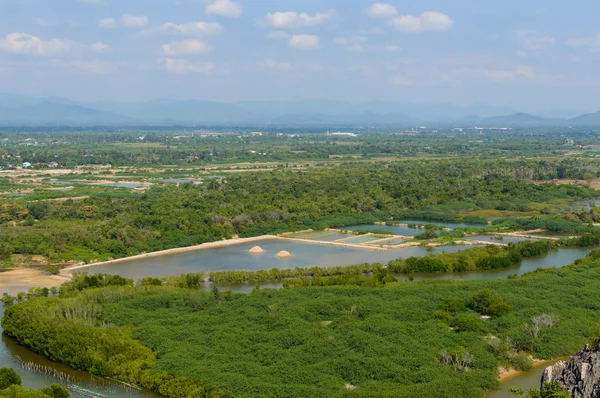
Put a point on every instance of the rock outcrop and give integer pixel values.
(256, 250)
(580, 375)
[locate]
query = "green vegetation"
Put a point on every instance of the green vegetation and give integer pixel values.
(407, 339)
(549, 390)
(249, 204)
(10, 387)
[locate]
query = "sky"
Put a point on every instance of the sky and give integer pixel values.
(533, 55)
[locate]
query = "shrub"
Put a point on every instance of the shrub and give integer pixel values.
(487, 302)
(467, 323)
(521, 361)
(9, 377)
(452, 304)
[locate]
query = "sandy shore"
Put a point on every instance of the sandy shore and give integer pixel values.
(507, 374)
(22, 279)
(209, 245)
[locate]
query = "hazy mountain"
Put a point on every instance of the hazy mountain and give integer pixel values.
(180, 111)
(56, 113)
(18, 109)
(348, 119)
(588, 118)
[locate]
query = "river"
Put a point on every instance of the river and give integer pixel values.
(11, 351)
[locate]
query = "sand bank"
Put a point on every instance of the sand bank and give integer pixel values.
(22, 279)
(208, 245)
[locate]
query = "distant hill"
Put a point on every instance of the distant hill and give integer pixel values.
(19, 109)
(588, 118)
(56, 113)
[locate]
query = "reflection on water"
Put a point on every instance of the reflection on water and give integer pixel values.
(556, 259)
(10, 352)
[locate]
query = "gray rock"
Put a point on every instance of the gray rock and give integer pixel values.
(580, 375)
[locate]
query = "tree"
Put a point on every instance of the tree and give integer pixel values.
(56, 391)
(467, 323)
(9, 377)
(540, 322)
(452, 304)
(487, 302)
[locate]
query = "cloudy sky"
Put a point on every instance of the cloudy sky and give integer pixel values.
(535, 54)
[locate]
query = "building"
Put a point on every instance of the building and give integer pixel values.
(53, 164)
(343, 134)
(26, 165)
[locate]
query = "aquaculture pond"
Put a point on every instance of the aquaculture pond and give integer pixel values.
(499, 239)
(180, 180)
(404, 231)
(363, 239)
(450, 225)
(237, 257)
(321, 235)
(38, 372)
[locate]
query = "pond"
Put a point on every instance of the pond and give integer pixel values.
(321, 235)
(584, 204)
(11, 351)
(407, 231)
(451, 225)
(500, 239)
(404, 231)
(237, 257)
(180, 181)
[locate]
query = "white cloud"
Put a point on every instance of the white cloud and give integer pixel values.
(305, 42)
(224, 8)
(23, 43)
(381, 10)
(593, 43)
(428, 21)
(530, 42)
(352, 44)
(107, 23)
(96, 67)
(278, 35)
(273, 64)
(134, 21)
(198, 28)
(393, 48)
(521, 72)
(46, 23)
(100, 48)
(185, 47)
(400, 80)
(182, 66)
(291, 19)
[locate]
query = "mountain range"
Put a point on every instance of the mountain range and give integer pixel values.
(23, 110)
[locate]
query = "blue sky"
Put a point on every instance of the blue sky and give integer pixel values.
(533, 55)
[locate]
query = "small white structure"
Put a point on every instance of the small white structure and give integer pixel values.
(26, 165)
